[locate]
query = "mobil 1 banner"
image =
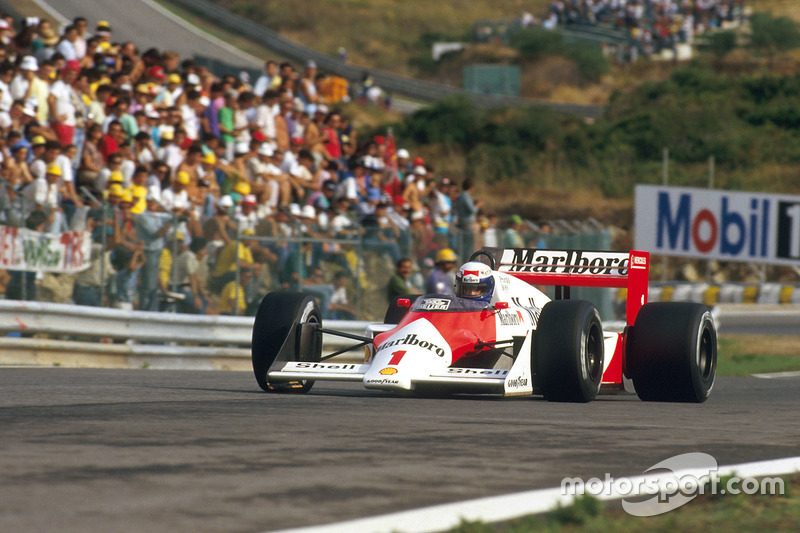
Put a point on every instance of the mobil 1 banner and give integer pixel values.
(715, 224)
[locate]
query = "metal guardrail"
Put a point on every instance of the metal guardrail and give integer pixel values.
(40, 331)
(392, 83)
(35, 334)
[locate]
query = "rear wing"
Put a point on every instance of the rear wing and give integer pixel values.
(580, 268)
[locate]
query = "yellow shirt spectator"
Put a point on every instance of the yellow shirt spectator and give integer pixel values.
(226, 259)
(228, 297)
(139, 194)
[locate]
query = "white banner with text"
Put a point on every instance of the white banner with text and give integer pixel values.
(716, 224)
(24, 249)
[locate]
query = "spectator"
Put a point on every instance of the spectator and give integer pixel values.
(151, 227)
(187, 277)
(440, 282)
(512, 237)
(232, 296)
(466, 210)
(399, 282)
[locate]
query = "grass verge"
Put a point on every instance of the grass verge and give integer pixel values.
(730, 513)
(743, 355)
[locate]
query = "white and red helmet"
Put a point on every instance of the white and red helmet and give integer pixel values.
(474, 280)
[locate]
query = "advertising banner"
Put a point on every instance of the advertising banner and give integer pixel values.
(24, 249)
(716, 224)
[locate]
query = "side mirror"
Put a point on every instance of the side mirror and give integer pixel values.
(501, 305)
(403, 302)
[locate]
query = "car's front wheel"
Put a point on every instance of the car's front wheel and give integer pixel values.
(277, 323)
(568, 351)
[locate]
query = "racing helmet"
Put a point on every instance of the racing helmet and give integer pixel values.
(474, 280)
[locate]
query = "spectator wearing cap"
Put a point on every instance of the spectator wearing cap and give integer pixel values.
(63, 102)
(138, 189)
(21, 84)
(111, 172)
(440, 282)
(103, 32)
(174, 198)
(412, 200)
(226, 262)
(246, 216)
(267, 178)
(512, 237)
(232, 299)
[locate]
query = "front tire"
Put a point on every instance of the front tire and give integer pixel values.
(568, 351)
(672, 352)
(276, 324)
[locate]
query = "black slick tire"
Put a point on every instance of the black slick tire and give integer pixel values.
(278, 317)
(568, 351)
(672, 352)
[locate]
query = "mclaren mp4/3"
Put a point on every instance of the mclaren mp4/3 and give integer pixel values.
(514, 341)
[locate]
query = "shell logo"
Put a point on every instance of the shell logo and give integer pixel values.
(388, 371)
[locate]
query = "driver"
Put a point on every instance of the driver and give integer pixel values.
(474, 280)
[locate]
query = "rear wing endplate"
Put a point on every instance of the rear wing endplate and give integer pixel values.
(581, 268)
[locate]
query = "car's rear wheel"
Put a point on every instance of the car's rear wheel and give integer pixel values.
(568, 351)
(276, 324)
(672, 352)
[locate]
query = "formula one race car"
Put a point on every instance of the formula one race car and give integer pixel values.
(500, 334)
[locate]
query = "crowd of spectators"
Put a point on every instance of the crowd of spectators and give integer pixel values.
(652, 25)
(200, 190)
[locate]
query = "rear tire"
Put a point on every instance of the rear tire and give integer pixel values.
(568, 351)
(672, 352)
(277, 319)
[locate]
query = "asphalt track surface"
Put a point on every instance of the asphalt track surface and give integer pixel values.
(148, 450)
(138, 21)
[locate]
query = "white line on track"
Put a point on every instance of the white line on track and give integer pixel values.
(202, 33)
(510, 506)
(177, 20)
(775, 375)
(59, 18)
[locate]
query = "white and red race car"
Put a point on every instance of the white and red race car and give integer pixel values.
(519, 342)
